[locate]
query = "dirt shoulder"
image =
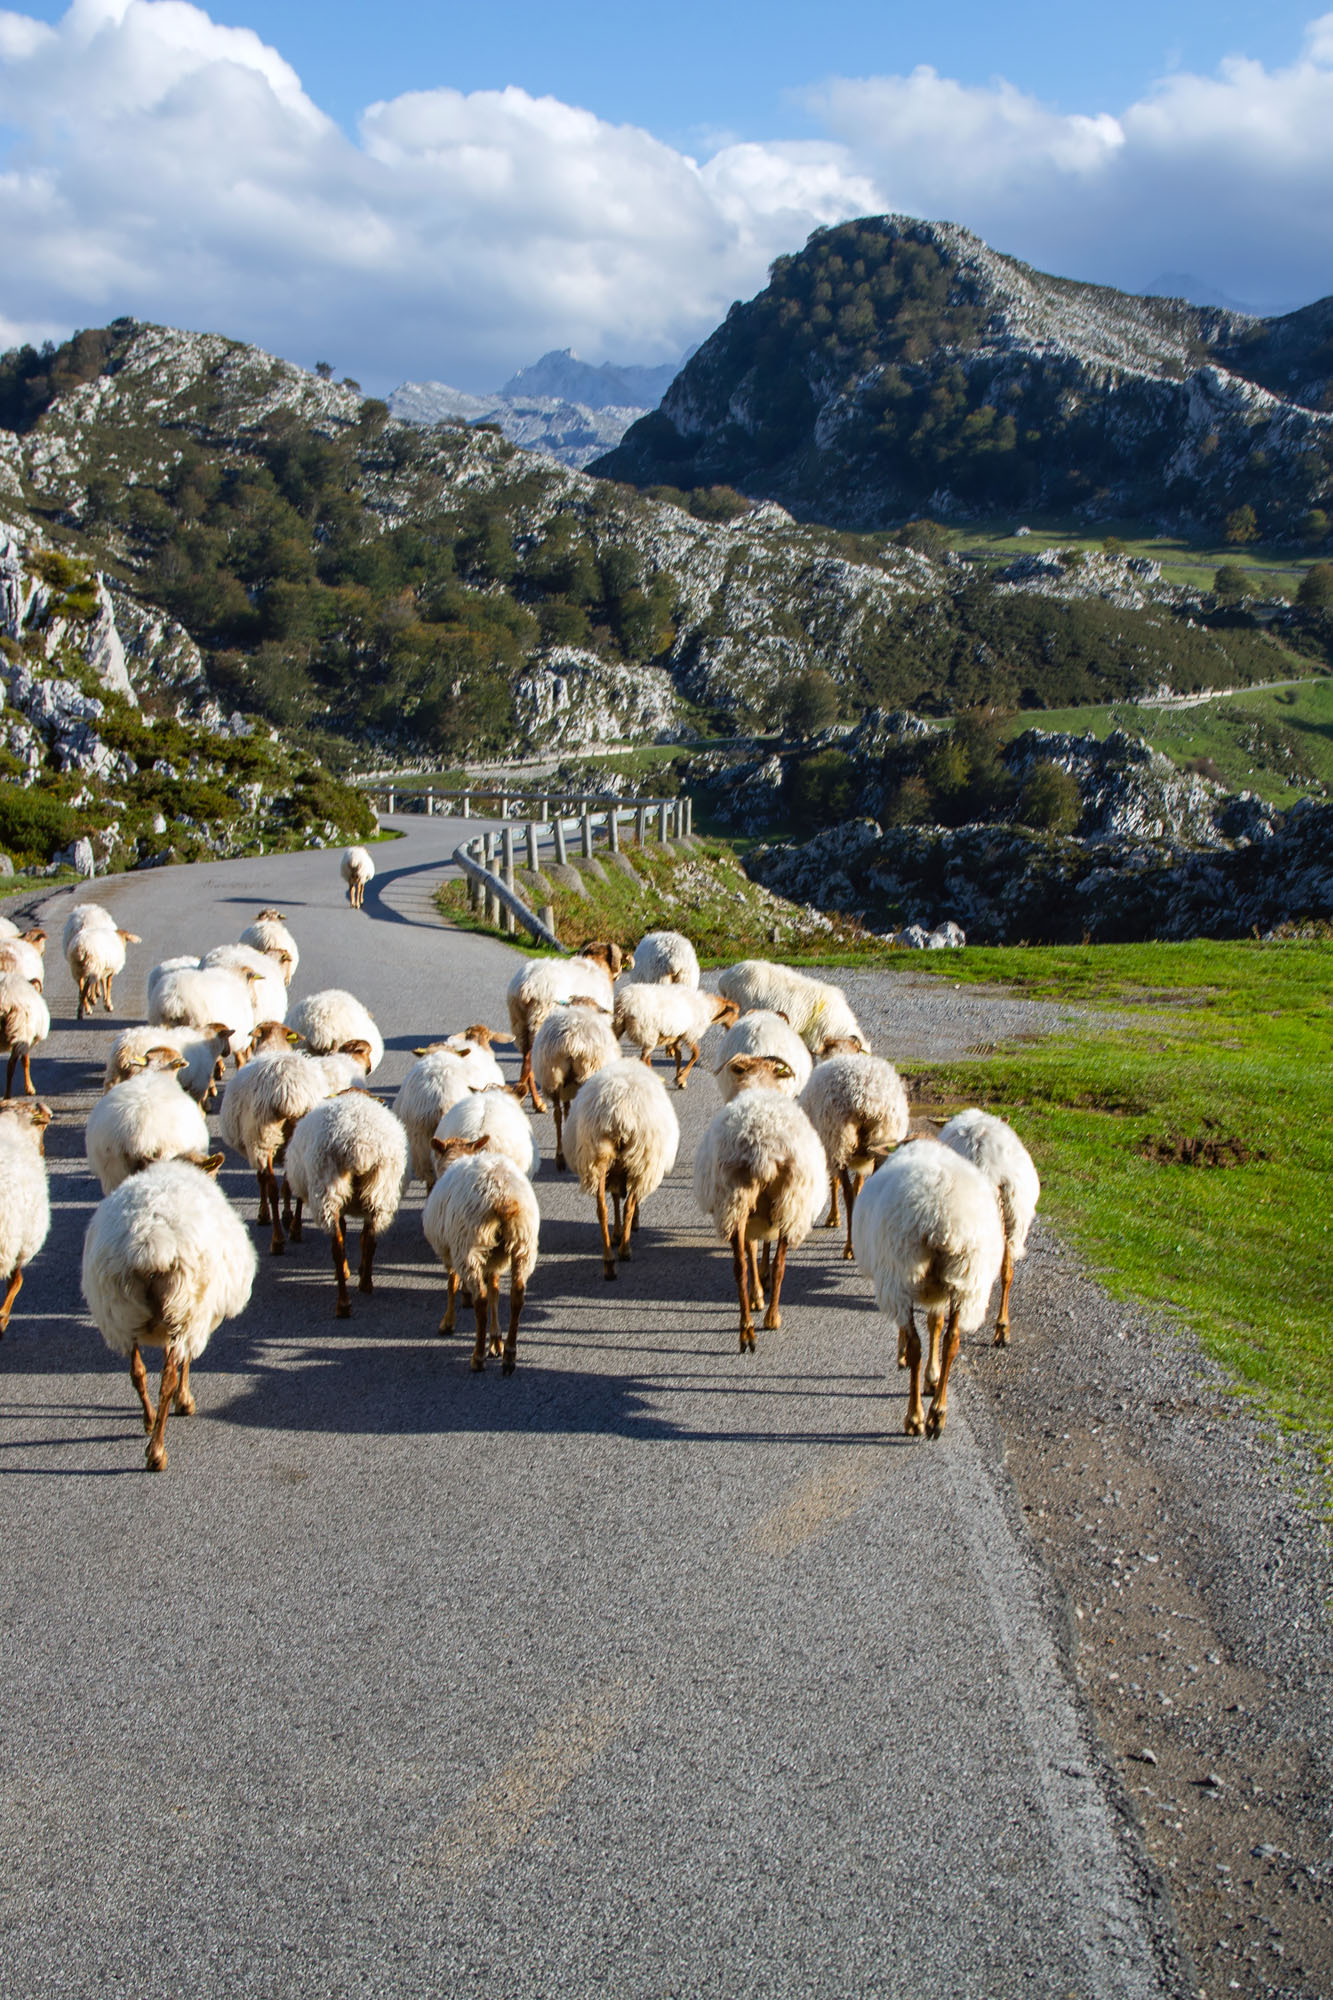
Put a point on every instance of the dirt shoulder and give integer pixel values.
(1189, 1547)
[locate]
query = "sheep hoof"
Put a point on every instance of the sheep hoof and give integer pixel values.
(478, 1363)
(772, 1320)
(156, 1460)
(443, 1330)
(560, 1163)
(343, 1309)
(747, 1340)
(626, 1255)
(608, 1270)
(277, 1248)
(185, 1405)
(848, 1254)
(935, 1423)
(914, 1424)
(507, 1367)
(147, 1422)
(1002, 1335)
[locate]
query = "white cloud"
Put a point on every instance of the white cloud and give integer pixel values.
(161, 164)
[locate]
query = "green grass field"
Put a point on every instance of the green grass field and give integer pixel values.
(1275, 572)
(1185, 1141)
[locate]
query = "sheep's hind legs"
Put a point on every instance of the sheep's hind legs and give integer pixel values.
(263, 1216)
(851, 1188)
(338, 1242)
(608, 1261)
(184, 1400)
(366, 1266)
(773, 1317)
(935, 1326)
(278, 1244)
(1006, 1280)
(517, 1293)
(156, 1455)
(914, 1423)
(832, 1219)
(740, 1258)
(139, 1377)
(630, 1212)
(446, 1325)
(493, 1311)
(15, 1285)
(479, 1351)
(939, 1409)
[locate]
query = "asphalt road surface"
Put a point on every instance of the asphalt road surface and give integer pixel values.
(652, 1670)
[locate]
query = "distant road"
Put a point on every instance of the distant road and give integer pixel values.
(650, 1671)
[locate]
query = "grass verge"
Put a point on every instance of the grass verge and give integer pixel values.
(1186, 1143)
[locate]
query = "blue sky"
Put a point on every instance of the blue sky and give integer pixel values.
(446, 193)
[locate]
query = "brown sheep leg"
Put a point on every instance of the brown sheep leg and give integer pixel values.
(831, 1220)
(939, 1409)
(338, 1241)
(261, 1178)
(15, 1284)
(631, 1210)
(493, 1311)
(184, 1400)
(740, 1259)
(479, 1351)
(608, 1261)
(558, 1110)
(527, 1083)
(902, 1347)
(366, 1268)
(935, 1325)
(139, 1377)
(447, 1324)
(279, 1242)
(156, 1455)
(756, 1281)
(773, 1317)
(914, 1423)
(106, 991)
(27, 1074)
(517, 1294)
(84, 986)
(851, 1188)
(294, 1222)
(1006, 1280)
(682, 1074)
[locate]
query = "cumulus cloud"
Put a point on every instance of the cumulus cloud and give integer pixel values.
(158, 163)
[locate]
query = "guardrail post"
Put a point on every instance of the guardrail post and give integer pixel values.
(688, 804)
(488, 858)
(466, 807)
(587, 834)
(507, 876)
(662, 811)
(389, 806)
(613, 828)
(558, 830)
(532, 845)
(640, 818)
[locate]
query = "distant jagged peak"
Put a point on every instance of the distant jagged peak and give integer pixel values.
(562, 376)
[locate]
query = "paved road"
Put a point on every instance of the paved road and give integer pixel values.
(652, 1670)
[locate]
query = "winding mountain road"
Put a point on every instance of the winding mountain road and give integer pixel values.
(653, 1670)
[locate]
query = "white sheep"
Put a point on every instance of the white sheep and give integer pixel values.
(665, 958)
(763, 1033)
(205, 1055)
(818, 1011)
(268, 989)
(260, 1108)
(927, 1232)
(498, 1116)
(212, 997)
(480, 1218)
(671, 1017)
(543, 983)
(443, 1074)
(94, 950)
(25, 1202)
(331, 1017)
(165, 1261)
(570, 1044)
(858, 1106)
(623, 1137)
(145, 1119)
(357, 869)
(269, 934)
(24, 956)
(759, 1173)
(25, 1020)
(348, 1156)
(8, 928)
(998, 1151)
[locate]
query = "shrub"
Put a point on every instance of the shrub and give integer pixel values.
(1232, 584)
(1316, 591)
(1050, 800)
(822, 789)
(1242, 526)
(811, 704)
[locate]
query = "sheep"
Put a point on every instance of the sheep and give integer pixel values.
(268, 990)
(818, 1011)
(356, 869)
(570, 1044)
(95, 952)
(665, 958)
(623, 1137)
(763, 1033)
(205, 1052)
(331, 1017)
(927, 1231)
(443, 1074)
(269, 933)
(347, 1156)
(146, 1118)
(480, 1216)
(25, 1201)
(858, 1106)
(260, 1107)
(673, 1017)
(193, 996)
(8, 928)
(998, 1151)
(501, 1118)
(165, 1261)
(759, 1173)
(25, 1020)
(24, 955)
(543, 983)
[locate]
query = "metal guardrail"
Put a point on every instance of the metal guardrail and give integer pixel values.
(565, 819)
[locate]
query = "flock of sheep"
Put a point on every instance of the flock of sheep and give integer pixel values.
(933, 1218)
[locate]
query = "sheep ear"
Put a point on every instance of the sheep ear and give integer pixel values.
(781, 1016)
(212, 1164)
(743, 1065)
(129, 937)
(437, 1145)
(497, 1036)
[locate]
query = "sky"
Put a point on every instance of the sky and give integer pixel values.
(447, 193)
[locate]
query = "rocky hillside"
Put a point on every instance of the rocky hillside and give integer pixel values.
(896, 366)
(274, 544)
